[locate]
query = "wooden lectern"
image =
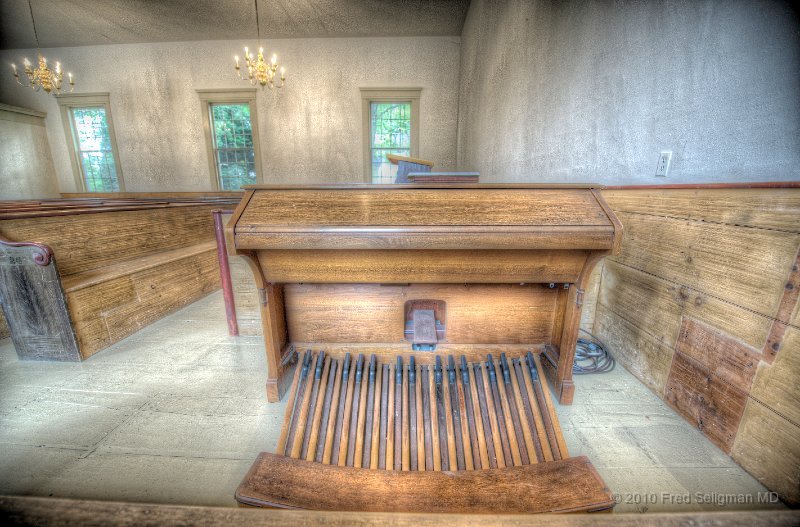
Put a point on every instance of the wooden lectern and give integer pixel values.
(406, 165)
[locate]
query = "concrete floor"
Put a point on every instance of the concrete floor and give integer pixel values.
(176, 414)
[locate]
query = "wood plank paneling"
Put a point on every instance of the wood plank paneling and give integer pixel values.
(777, 385)
(726, 358)
(108, 311)
(476, 314)
(710, 404)
(651, 304)
(767, 446)
(790, 302)
(86, 307)
(741, 265)
(641, 353)
(656, 305)
(720, 261)
(776, 209)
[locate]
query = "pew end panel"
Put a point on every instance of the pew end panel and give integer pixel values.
(34, 304)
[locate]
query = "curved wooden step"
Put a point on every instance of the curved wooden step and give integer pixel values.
(569, 485)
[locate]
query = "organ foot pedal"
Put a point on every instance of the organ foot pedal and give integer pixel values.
(422, 433)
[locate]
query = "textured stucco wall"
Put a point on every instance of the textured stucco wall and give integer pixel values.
(310, 130)
(593, 91)
(26, 168)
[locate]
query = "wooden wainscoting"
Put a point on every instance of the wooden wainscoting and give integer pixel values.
(702, 306)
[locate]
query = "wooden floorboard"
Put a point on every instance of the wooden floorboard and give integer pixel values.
(53, 511)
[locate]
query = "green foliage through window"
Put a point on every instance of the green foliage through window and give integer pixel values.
(390, 133)
(233, 145)
(94, 149)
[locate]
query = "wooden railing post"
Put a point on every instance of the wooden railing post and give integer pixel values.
(225, 272)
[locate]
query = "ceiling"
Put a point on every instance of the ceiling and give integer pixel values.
(65, 23)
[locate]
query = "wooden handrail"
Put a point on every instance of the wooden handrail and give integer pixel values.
(28, 212)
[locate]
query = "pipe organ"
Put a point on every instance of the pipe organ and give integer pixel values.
(415, 331)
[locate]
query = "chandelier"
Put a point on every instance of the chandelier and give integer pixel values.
(259, 71)
(42, 77)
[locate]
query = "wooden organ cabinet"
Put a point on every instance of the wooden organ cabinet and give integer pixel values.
(424, 322)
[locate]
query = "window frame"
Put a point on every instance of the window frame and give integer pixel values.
(397, 95)
(229, 96)
(67, 103)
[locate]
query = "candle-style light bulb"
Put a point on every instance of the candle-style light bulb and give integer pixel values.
(26, 61)
(283, 73)
(260, 51)
(70, 78)
(14, 67)
(58, 67)
(274, 59)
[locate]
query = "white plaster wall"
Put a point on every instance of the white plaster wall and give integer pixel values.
(26, 167)
(310, 130)
(593, 91)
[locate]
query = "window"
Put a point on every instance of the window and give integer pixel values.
(391, 126)
(229, 119)
(89, 129)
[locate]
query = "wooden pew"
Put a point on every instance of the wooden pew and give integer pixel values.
(116, 266)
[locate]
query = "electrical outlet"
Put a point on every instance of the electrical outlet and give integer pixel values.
(663, 164)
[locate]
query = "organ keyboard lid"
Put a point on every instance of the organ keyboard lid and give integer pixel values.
(430, 216)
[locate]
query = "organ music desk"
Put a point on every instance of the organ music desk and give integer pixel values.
(423, 323)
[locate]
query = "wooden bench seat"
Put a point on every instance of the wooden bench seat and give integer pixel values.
(75, 282)
(117, 265)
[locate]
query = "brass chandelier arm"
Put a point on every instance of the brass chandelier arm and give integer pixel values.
(259, 70)
(41, 78)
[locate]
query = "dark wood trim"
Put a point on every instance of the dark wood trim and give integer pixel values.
(763, 184)
(74, 211)
(23, 510)
(410, 186)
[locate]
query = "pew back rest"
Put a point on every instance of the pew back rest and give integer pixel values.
(83, 240)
